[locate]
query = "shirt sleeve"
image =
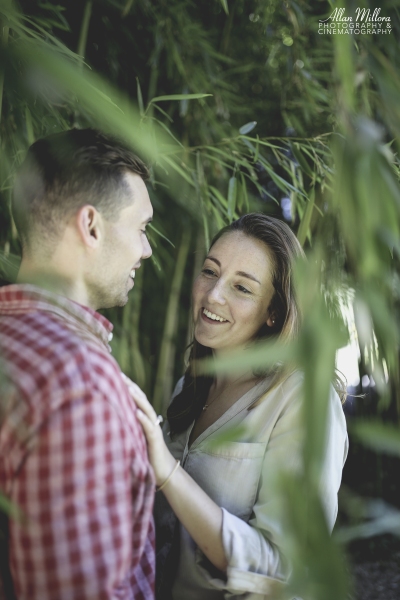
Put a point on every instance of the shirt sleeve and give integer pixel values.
(77, 489)
(255, 563)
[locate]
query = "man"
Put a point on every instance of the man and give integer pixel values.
(72, 454)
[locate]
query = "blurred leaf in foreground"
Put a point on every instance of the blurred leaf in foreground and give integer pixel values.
(378, 436)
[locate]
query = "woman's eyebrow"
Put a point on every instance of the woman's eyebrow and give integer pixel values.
(214, 260)
(244, 274)
(241, 273)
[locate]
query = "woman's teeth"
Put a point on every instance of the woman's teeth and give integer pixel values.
(132, 273)
(213, 316)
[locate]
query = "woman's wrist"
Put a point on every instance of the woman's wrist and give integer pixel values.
(163, 473)
(167, 480)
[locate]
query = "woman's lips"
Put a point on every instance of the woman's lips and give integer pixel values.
(212, 321)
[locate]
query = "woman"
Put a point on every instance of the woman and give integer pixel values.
(225, 541)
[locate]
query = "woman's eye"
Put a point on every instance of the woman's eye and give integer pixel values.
(241, 288)
(208, 271)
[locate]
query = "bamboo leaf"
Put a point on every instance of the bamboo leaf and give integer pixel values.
(245, 129)
(378, 436)
(179, 97)
(220, 197)
(232, 196)
(244, 189)
(178, 169)
(164, 126)
(306, 220)
(151, 226)
(170, 119)
(139, 97)
(225, 6)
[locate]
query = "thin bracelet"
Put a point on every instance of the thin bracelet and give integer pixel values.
(178, 462)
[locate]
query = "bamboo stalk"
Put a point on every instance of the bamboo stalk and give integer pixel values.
(87, 12)
(126, 8)
(137, 366)
(4, 31)
(164, 376)
(199, 255)
(29, 126)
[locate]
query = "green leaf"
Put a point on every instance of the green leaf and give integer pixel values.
(379, 437)
(232, 196)
(259, 356)
(227, 436)
(219, 197)
(225, 6)
(245, 129)
(306, 220)
(244, 190)
(139, 97)
(151, 226)
(164, 126)
(178, 169)
(179, 97)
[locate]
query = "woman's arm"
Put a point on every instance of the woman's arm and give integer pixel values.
(252, 552)
(200, 516)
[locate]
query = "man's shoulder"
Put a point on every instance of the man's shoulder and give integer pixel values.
(48, 355)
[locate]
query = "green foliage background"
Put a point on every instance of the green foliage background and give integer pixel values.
(237, 104)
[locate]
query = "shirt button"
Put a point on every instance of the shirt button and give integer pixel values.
(110, 336)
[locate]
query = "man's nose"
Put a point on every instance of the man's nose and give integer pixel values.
(147, 251)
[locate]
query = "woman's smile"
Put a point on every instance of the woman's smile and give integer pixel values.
(232, 294)
(211, 317)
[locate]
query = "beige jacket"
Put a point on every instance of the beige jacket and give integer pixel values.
(237, 476)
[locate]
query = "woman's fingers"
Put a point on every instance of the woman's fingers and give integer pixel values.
(151, 429)
(141, 399)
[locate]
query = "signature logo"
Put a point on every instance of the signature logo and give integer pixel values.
(364, 21)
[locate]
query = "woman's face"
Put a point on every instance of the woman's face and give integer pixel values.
(232, 294)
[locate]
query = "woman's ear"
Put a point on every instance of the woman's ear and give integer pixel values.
(271, 320)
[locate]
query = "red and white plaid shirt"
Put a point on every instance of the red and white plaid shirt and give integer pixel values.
(72, 455)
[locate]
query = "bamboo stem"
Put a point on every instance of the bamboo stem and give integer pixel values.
(127, 8)
(81, 49)
(199, 255)
(29, 126)
(4, 31)
(137, 366)
(164, 377)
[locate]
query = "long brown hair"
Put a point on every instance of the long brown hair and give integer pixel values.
(285, 249)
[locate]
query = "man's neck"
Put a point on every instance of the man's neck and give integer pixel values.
(52, 281)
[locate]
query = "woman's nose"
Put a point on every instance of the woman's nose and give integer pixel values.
(217, 293)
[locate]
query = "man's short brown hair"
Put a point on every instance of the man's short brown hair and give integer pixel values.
(65, 171)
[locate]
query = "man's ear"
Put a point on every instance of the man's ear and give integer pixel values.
(88, 222)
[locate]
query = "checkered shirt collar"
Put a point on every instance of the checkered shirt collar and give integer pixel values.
(23, 298)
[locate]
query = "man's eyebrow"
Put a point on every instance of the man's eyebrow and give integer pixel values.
(241, 273)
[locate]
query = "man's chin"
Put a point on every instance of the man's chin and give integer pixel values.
(111, 302)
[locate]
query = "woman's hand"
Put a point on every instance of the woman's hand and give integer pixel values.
(160, 457)
(197, 512)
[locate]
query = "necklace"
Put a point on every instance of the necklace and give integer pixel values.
(205, 407)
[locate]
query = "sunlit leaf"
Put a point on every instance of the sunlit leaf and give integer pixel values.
(232, 195)
(378, 436)
(306, 220)
(140, 97)
(245, 129)
(179, 97)
(225, 6)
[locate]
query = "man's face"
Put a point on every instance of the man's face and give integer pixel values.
(124, 245)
